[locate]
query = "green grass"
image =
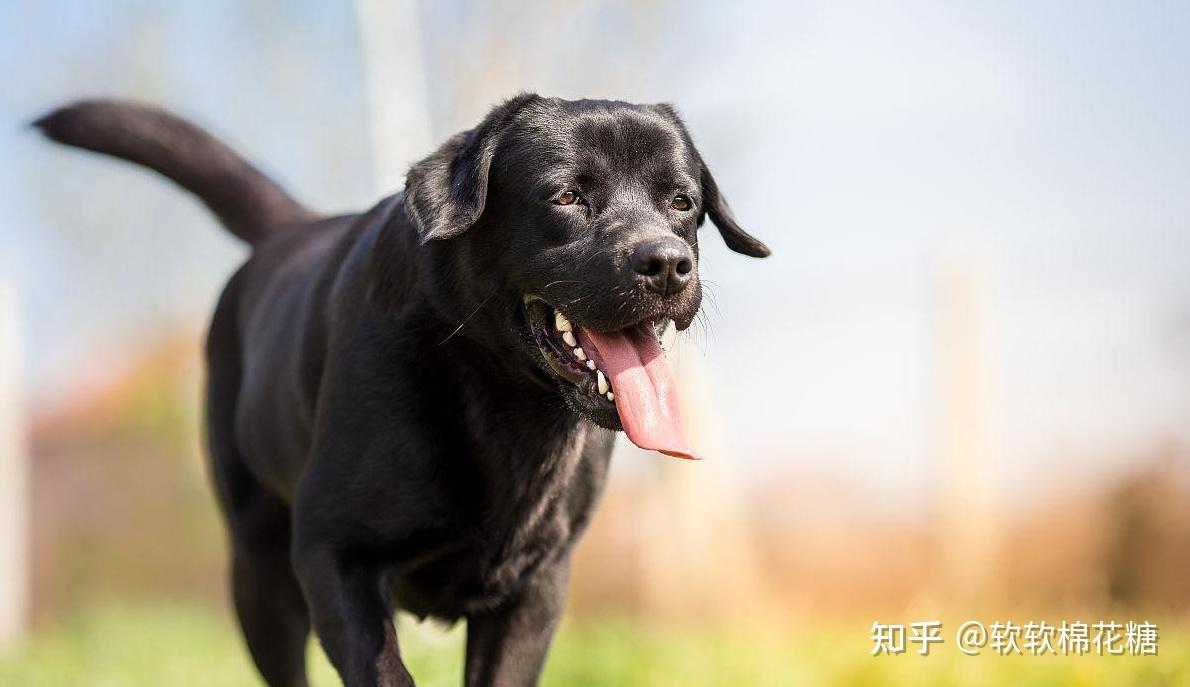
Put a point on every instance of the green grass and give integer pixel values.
(193, 645)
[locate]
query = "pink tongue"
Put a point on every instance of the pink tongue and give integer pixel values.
(646, 396)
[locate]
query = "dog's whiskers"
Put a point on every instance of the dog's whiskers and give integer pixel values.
(464, 322)
(588, 260)
(709, 292)
(559, 281)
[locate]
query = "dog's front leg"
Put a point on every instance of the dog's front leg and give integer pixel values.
(352, 618)
(507, 647)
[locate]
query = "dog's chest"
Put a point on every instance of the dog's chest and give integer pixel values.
(483, 569)
(524, 526)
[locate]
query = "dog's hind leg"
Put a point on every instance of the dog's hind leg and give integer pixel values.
(268, 600)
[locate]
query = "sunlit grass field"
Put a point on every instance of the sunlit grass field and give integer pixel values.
(125, 646)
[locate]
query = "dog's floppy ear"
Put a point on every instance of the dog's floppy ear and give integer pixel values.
(720, 212)
(714, 204)
(446, 192)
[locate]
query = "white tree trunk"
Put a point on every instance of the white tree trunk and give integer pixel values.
(399, 118)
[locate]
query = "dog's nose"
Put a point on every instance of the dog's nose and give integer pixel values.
(663, 265)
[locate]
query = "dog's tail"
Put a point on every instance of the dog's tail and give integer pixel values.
(246, 201)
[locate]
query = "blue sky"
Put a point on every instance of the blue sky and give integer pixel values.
(873, 145)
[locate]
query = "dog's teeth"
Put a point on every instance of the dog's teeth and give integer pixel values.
(601, 381)
(580, 354)
(568, 337)
(590, 364)
(562, 324)
(611, 396)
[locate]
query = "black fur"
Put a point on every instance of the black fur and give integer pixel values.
(384, 431)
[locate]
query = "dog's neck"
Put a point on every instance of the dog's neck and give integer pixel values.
(499, 381)
(526, 466)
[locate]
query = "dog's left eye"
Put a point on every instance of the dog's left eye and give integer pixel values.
(681, 203)
(569, 198)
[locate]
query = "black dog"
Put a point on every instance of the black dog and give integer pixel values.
(404, 406)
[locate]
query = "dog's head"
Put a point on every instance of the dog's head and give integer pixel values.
(568, 229)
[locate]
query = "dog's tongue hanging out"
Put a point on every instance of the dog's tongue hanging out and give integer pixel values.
(646, 396)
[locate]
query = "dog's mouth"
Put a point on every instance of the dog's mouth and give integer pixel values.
(618, 379)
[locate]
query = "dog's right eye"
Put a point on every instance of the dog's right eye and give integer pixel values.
(568, 198)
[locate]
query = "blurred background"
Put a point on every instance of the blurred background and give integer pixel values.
(960, 388)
